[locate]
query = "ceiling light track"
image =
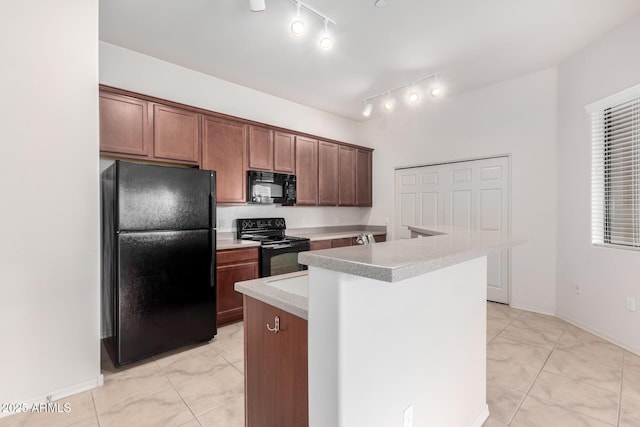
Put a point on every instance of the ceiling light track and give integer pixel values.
(413, 95)
(318, 14)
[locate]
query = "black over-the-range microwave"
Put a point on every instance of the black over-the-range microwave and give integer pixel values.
(271, 187)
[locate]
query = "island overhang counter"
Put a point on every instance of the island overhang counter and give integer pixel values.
(397, 330)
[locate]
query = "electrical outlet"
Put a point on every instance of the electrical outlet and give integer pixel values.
(577, 288)
(408, 416)
(631, 304)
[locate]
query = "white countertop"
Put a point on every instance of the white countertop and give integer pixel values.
(398, 260)
(288, 292)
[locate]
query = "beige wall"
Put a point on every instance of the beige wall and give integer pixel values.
(49, 214)
(607, 276)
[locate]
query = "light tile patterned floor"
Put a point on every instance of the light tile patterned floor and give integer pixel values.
(541, 371)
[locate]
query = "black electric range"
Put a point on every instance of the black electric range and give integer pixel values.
(278, 252)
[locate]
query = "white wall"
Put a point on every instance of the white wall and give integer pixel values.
(49, 216)
(514, 117)
(140, 73)
(607, 276)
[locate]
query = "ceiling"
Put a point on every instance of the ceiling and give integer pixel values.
(469, 43)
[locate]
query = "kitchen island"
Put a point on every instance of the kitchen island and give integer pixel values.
(397, 330)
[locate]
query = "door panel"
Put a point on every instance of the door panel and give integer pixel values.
(166, 292)
(461, 214)
(430, 208)
(472, 194)
(490, 212)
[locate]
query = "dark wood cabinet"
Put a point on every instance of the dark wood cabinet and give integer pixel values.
(319, 244)
(346, 176)
(224, 150)
(135, 126)
(306, 153)
(124, 126)
(176, 134)
(327, 173)
(276, 367)
(233, 265)
(260, 148)
(363, 178)
(338, 243)
(284, 153)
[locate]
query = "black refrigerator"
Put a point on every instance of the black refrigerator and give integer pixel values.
(158, 258)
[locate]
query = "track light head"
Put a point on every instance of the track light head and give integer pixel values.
(326, 43)
(389, 103)
(297, 26)
(436, 92)
(257, 5)
(368, 107)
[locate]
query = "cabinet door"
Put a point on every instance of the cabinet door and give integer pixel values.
(124, 125)
(276, 367)
(260, 148)
(363, 178)
(230, 301)
(338, 243)
(284, 153)
(346, 176)
(327, 173)
(224, 150)
(176, 134)
(307, 171)
(320, 244)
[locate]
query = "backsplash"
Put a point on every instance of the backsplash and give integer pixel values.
(296, 216)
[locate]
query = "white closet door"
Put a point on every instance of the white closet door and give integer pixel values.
(472, 194)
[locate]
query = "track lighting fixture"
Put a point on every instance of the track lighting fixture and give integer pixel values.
(325, 42)
(257, 5)
(368, 107)
(298, 26)
(389, 103)
(412, 94)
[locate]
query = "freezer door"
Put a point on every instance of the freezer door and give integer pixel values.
(166, 295)
(152, 197)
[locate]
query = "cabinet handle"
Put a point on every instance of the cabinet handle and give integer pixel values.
(276, 327)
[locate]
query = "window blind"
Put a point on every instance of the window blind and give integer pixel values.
(615, 170)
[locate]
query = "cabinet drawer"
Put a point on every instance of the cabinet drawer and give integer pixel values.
(233, 256)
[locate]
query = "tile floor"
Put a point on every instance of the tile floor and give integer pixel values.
(541, 371)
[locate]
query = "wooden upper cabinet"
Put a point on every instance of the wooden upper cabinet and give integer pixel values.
(363, 178)
(284, 153)
(306, 171)
(327, 173)
(346, 176)
(224, 150)
(124, 125)
(176, 134)
(260, 148)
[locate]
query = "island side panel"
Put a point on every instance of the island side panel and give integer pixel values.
(419, 342)
(323, 348)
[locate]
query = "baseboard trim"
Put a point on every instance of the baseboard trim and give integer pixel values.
(532, 309)
(482, 417)
(599, 334)
(61, 393)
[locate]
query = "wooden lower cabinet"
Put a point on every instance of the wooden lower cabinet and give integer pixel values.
(233, 265)
(276, 367)
(319, 244)
(338, 243)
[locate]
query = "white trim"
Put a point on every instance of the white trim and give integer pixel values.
(531, 309)
(446, 162)
(62, 393)
(599, 334)
(482, 417)
(616, 98)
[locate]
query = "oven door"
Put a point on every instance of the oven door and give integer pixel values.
(281, 260)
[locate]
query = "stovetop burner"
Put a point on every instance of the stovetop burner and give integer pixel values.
(270, 232)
